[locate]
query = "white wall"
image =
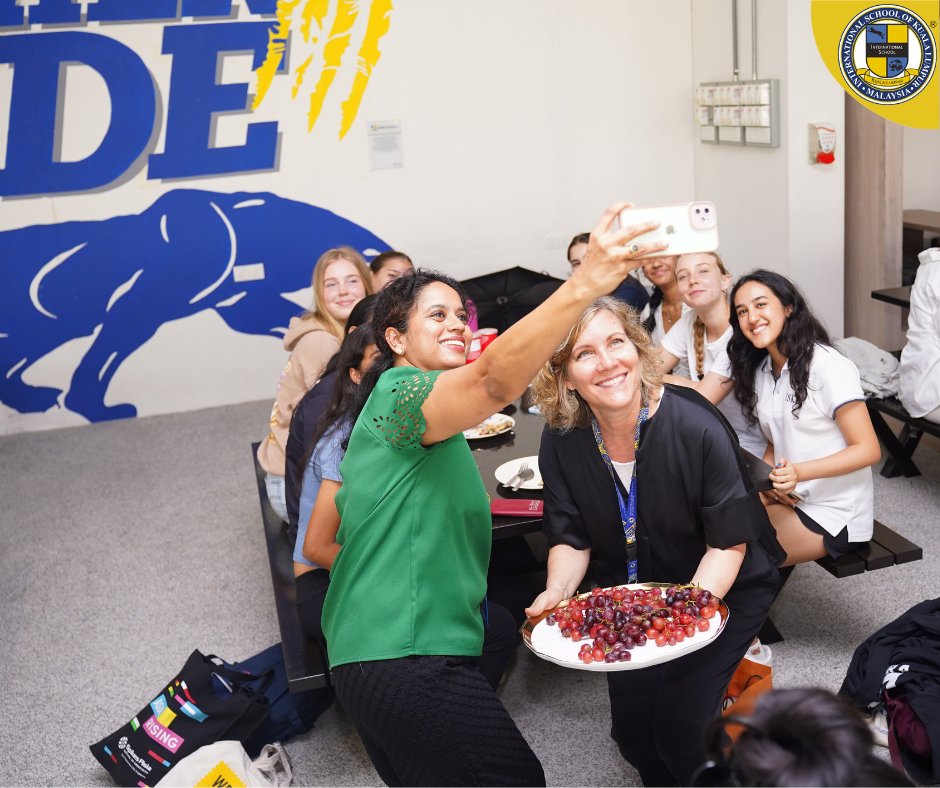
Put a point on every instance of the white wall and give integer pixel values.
(776, 210)
(922, 169)
(522, 120)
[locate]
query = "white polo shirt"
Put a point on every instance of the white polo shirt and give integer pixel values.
(834, 503)
(920, 359)
(680, 341)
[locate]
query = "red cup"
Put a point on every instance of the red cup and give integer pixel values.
(475, 350)
(486, 336)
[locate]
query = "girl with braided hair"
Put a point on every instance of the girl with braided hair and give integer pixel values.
(700, 339)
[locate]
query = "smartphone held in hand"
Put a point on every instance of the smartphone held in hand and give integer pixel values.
(687, 227)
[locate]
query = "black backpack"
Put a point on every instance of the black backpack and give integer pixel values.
(292, 713)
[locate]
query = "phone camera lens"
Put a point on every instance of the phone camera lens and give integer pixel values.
(706, 210)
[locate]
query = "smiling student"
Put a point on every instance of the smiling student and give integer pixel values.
(341, 279)
(700, 338)
(808, 400)
(389, 266)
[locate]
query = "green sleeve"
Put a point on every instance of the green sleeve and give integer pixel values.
(393, 412)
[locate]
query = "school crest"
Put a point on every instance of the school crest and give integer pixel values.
(887, 54)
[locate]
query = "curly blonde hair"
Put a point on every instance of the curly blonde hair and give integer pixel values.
(563, 408)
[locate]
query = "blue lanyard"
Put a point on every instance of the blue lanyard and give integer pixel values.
(628, 507)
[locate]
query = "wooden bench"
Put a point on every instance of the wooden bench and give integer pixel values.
(306, 666)
(886, 548)
(900, 447)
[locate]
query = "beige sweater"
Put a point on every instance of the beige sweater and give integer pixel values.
(311, 346)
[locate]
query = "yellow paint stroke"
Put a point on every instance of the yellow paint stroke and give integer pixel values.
(312, 19)
(346, 13)
(369, 54)
(277, 43)
(314, 11)
(301, 70)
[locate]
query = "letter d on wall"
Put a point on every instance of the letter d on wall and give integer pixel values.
(37, 59)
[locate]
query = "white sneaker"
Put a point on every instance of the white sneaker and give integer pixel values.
(760, 653)
(878, 722)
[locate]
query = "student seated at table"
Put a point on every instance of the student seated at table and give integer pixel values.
(647, 480)
(402, 616)
(306, 414)
(700, 338)
(795, 737)
(920, 359)
(340, 280)
(630, 290)
(808, 401)
(388, 266)
(666, 305)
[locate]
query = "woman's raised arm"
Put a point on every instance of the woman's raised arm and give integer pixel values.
(463, 397)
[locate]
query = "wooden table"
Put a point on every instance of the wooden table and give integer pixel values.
(899, 296)
(925, 221)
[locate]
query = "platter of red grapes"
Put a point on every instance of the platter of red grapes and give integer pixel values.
(627, 627)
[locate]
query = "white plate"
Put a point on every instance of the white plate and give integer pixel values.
(495, 425)
(547, 642)
(507, 470)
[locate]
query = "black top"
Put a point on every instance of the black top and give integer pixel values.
(693, 491)
(633, 292)
(302, 424)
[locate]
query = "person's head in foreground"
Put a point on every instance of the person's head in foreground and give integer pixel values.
(389, 266)
(803, 736)
(607, 363)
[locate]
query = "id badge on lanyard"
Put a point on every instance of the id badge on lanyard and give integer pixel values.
(628, 507)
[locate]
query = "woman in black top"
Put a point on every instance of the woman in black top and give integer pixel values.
(698, 519)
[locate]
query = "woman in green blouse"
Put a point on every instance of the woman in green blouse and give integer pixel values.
(403, 613)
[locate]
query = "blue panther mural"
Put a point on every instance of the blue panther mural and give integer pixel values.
(122, 278)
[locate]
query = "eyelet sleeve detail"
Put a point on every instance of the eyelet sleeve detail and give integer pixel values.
(403, 427)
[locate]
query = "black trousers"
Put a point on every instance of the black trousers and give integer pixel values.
(500, 638)
(659, 714)
(434, 721)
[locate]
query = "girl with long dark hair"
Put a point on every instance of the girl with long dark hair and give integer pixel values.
(321, 475)
(808, 401)
(402, 616)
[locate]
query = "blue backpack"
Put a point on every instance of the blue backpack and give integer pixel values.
(292, 713)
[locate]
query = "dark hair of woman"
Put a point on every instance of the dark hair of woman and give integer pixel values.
(804, 736)
(394, 306)
(801, 331)
(656, 298)
(360, 314)
(343, 397)
(580, 238)
(379, 261)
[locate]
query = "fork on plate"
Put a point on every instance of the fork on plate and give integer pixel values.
(523, 474)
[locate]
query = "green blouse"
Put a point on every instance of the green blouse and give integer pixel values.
(415, 535)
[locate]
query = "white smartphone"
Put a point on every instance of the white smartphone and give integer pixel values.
(687, 227)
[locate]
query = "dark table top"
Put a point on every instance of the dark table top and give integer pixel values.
(490, 453)
(899, 296)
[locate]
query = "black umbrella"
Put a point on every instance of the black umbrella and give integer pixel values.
(503, 297)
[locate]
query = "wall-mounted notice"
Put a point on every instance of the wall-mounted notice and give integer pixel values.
(385, 144)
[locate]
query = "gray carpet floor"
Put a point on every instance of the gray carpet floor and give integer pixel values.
(124, 546)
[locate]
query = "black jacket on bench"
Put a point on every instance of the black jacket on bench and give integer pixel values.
(302, 424)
